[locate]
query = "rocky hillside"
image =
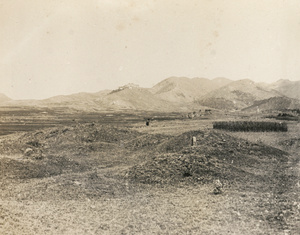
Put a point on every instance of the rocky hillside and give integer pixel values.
(275, 103)
(136, 98)
(237, 95)
(289, 88)
(182, 89)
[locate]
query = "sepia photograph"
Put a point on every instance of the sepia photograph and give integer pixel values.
(124, 117)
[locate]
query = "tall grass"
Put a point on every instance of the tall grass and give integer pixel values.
(250, 126)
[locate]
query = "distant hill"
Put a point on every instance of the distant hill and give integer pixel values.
(237, 95)
(136, 98)
(126, 97)
(182, 89)
(178, 94)
(79, 101)
(288, 88)
(78, 97)
(275, 103)
(4, 98)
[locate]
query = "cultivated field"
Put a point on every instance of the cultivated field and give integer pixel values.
(109, 173)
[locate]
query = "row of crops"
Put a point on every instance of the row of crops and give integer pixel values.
(250, 126)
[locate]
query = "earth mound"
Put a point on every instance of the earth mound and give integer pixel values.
(72, 139)
(215, 155)
(172, 167)
(54, 151)
(78, 148)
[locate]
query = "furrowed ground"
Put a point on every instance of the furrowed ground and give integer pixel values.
(133, 179)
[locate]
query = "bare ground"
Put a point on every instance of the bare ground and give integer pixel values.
(94, 179)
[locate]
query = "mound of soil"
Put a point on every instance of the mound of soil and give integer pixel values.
(216, 155)
(168, 168)
(54, 151)
(219, 144)
(77, 139)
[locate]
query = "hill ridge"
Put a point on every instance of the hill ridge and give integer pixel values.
(173, 94)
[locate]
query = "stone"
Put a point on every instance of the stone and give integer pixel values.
(194, 141)
(28, 152)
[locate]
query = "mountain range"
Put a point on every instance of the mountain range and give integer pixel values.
(179, 94)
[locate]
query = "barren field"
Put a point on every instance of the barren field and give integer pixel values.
(95, 176)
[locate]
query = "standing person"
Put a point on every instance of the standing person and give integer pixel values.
(148, 122)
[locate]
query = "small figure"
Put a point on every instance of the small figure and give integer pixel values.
(148, 122)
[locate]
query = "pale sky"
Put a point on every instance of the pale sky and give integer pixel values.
(55, 47)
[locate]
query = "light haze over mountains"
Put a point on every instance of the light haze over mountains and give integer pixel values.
(178, 94)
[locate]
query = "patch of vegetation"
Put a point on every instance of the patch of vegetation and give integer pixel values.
(286, 116)
(250, 126)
